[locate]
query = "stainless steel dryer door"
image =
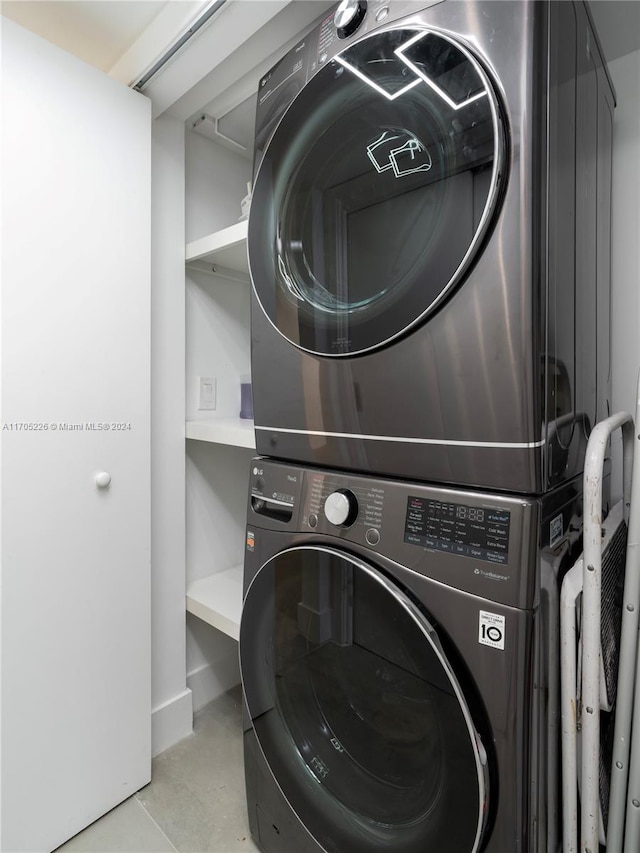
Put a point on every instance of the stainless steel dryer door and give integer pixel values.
(376, 191)
(357, 710)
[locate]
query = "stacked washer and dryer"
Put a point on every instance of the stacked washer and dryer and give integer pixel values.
(429, 247)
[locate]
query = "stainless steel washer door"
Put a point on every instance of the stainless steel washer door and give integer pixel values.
(357, 711)
(376, 191)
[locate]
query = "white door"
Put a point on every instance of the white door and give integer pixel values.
(76, 713)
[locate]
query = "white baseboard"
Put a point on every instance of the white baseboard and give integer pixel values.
(209, 681)
(171, 722)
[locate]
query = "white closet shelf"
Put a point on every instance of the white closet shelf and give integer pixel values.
(237, 432)
(217, 600)
(222, 252)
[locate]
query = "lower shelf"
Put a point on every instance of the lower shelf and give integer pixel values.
(217, 600)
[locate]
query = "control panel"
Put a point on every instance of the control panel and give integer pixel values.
(398, 516)
(349, 21)
(481, 533)
(334, 501)
(483, 543)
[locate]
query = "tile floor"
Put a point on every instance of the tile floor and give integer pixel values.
(195, 801)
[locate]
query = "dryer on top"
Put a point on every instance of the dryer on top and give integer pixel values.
(428, 243)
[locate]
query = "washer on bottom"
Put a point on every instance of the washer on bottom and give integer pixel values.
(398, 656)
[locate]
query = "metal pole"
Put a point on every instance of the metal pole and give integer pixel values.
(632, 578)
(592, 583)
(571, 589)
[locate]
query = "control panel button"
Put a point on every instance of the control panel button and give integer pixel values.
(341, 508)
(381, 14)
(349, 16)
(313, 520)
(372, 536)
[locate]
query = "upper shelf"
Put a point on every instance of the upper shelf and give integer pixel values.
(234, 431)
(221, 252)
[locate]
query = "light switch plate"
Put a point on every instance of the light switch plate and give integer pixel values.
(206, 393)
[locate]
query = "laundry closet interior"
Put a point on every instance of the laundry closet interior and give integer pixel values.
(356, 481)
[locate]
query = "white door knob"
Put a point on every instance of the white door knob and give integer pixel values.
(103, 480)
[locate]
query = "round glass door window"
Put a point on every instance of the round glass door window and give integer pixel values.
(357, 711)
(375, 192)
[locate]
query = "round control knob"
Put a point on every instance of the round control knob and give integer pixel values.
(348, 17)
(341, 508)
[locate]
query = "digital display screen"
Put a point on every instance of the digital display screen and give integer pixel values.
(467, 531)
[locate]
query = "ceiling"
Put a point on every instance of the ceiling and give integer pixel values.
(123, 38)
(101, 32)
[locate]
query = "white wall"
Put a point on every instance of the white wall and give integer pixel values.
(625, 247)
(171, 701)
(217, 320)
(216, 183)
